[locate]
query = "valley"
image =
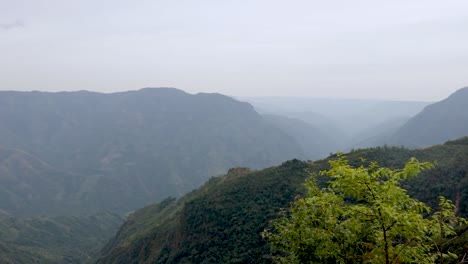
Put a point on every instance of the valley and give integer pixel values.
(75, 165)
(233, 132)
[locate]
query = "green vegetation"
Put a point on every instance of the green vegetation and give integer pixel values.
(55, 239)
(218, 223)
(80, 153)
(221, 222)
(364, 216)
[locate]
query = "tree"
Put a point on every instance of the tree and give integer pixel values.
(444, 230)
(362, 216)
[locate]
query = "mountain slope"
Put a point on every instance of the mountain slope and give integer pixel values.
(132, 148)
(30, 186)
(438, 122)
(379, 134)
(225, 215)
(316, 142)
(221, 222)
(54, 240)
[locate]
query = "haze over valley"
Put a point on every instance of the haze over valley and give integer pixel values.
(81, 154)
(201, 132)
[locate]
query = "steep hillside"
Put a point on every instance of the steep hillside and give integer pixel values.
(438, 122)
(221, 222)
(134, 147)
(218, 223)
(54, 240)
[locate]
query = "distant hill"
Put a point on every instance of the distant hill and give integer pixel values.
(54, 240)
(438, 122)
(221, 221)
(316, 141)
(379, 134)
(121, 151)
(350, 119)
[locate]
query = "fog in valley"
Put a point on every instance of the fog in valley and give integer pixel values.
(185, 131)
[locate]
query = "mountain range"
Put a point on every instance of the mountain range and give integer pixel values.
(347, 121)
(67, 157)
(84, 152)
(92, 152)
(357, 123)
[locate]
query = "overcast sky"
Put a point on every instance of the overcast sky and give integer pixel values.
(399, 49)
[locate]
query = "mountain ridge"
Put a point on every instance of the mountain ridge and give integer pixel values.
(436, 123)
(122, 143)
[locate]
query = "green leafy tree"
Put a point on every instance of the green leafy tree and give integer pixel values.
(444, 231)
(363, 216)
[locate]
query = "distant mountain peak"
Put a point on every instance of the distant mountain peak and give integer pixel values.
(165, 90)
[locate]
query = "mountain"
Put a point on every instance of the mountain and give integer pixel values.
(349, 119)
(316, 142)
(221, 221)
(65, 239)
(438, 122)
(120, 151)
(379, 134)
(218, 223)
(30, 186)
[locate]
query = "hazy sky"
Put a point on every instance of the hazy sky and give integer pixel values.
(399, 49)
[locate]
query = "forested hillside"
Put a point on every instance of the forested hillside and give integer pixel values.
(218, 223)
(116, 152)
(54, 240)
(299, 132)
(221, 221)
(80, 153)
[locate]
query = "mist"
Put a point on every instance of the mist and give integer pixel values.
(396, 50)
